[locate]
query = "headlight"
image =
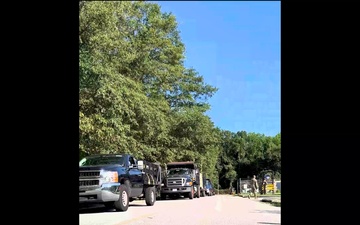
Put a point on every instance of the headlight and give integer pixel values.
(108, 176)
(189, 183)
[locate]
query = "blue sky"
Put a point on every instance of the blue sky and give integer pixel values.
(235, 46)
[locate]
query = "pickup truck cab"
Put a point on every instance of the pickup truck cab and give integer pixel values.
(116, 179)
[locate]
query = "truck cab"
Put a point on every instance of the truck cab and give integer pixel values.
(115, 179)
(181, 180)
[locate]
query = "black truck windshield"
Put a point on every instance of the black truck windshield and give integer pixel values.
(102, 160)
(180, 171)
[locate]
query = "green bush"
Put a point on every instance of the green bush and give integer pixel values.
(224, 191)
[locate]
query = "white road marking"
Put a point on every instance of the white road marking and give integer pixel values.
(218, 206)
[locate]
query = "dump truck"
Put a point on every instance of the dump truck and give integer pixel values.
(182, 179)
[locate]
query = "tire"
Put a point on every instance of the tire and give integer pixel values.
(203, 193)
(122, 204)
(198, 192)
(150, 196)
(127, 184)
(191, 193)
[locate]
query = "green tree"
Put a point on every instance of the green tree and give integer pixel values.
(135, 91)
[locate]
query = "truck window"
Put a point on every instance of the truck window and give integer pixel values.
(131, 161)
(179, 171)
(102, 160)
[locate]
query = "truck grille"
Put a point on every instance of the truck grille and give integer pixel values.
(83, 183)
(175, 182)
(89, 178)
(89, 173)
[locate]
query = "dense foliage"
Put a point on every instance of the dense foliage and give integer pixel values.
(136, 95)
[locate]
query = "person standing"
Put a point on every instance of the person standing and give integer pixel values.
(254, 186)
(264, 186)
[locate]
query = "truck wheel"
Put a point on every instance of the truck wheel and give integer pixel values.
(191, 193)
(123, 203)
(203, 193)
(150, 196)
(128, 185)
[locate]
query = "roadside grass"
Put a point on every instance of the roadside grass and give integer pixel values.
(277, 204)
(259, 196)
(271, 195)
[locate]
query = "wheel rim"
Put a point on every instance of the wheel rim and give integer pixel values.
(124, 198)
(152, 196)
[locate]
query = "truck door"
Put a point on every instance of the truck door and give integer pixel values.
(135, 176)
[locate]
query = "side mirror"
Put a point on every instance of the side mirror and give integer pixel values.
(140, 165)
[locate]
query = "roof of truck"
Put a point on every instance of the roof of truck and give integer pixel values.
(106, 155)
(187, 164)
(178, 163)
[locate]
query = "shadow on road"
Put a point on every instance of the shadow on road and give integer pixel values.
(267, 223)
(137, 205)
(268, 211)
(177, 199)
(94, 209)
(102, 209)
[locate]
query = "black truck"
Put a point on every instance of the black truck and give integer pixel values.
(182, 178)
(116, 179)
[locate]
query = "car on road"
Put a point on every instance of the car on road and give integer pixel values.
(209, 188)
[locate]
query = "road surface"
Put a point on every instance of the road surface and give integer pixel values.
(214, 210)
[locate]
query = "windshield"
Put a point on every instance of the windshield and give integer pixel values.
(102, 160)
(180, 171)
(208, 184)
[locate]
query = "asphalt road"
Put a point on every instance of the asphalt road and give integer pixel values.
(214, 210)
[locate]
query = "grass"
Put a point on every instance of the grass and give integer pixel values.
(259, 196)
(277, 204)
(271, 195)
